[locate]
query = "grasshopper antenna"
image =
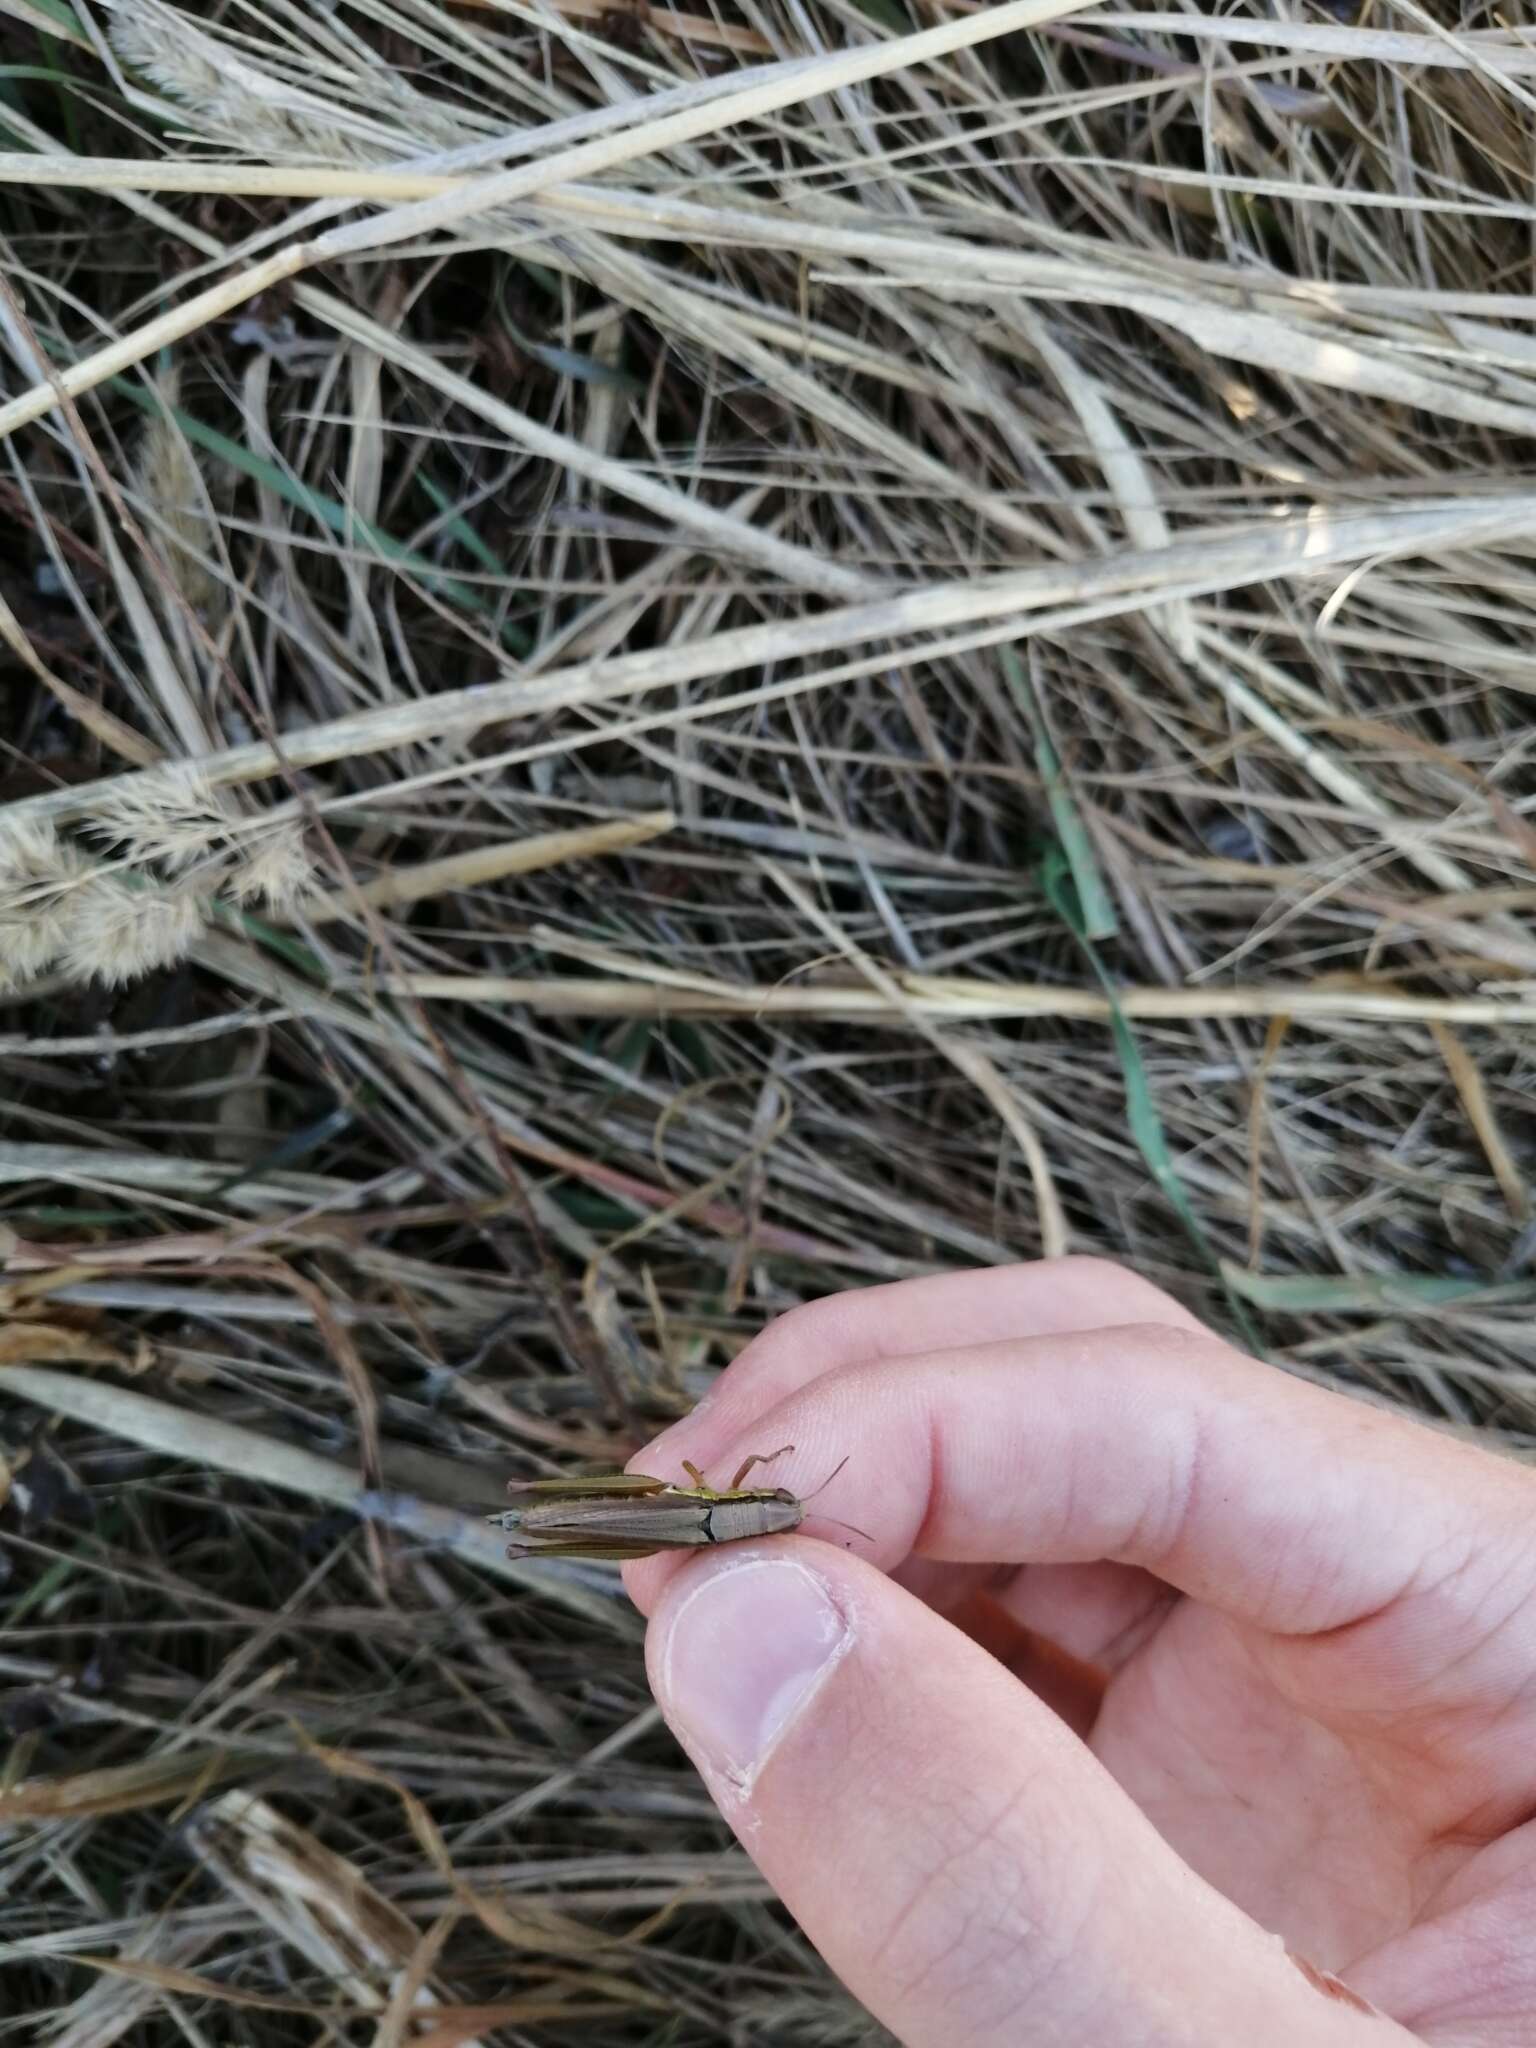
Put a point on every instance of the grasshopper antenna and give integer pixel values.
(832, 1518)
(826, 1482)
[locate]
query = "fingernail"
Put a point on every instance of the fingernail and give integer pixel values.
(745, 1654)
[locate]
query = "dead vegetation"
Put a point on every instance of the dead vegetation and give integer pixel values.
(820, 642)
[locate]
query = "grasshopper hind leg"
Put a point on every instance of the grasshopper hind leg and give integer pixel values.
(703, 1486)
(760, 1458)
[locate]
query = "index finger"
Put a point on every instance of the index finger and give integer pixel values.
(1043, 1298)
(1275, 1501)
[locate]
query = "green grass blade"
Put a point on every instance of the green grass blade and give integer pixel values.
(1361, 1293)
(332, 514)
(1145, 1124)
(1097, 911)
(53, 17)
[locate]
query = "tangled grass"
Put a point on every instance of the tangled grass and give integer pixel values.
(656, 662)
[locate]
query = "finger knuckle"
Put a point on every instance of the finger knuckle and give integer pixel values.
(797, 1331)
(1127, 1295)
(1099, 1271)
(1172, 1352)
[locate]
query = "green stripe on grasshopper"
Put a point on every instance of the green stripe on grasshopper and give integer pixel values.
(609, 1483)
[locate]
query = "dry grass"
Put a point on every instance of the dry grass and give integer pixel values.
(820, 642)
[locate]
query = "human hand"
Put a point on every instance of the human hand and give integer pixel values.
(1309, 1743)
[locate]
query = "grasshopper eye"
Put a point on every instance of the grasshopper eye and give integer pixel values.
(783, 1493)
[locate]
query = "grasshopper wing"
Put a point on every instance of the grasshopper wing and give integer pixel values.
(609, 1483)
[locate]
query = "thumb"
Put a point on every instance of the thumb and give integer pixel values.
(962, 1861)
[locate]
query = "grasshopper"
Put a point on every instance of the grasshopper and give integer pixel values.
(629, 1514)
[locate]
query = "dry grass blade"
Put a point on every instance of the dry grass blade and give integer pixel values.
(522, 1930)
(313, 1900)
(156, 1781)
(29, 1342)
(489, 864)
(957, 1001)
(782, 86)
(164, 1978)
(1055, 1242)
(1133, 581)
(117, 737)
(227, 1448)
(1470, 1086)
(112, 2006)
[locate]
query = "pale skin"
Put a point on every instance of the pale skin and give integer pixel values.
(1293, 1798)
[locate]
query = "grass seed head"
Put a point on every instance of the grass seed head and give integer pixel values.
(116, 933)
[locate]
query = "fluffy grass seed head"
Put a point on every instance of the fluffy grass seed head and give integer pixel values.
(172, 816)
(277, 870)
(232, 97)
(117, 933)
(39, 879)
